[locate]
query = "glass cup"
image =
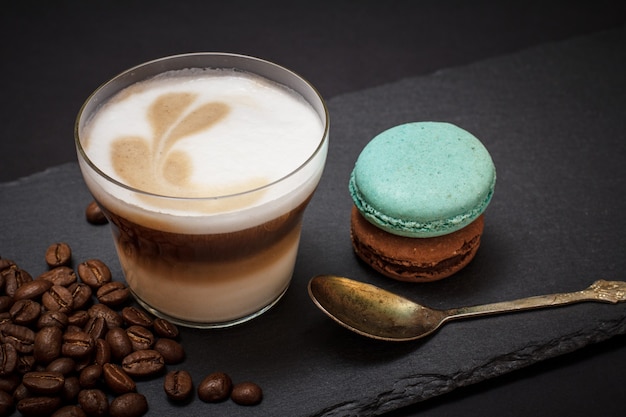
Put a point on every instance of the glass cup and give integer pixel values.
(202, 260)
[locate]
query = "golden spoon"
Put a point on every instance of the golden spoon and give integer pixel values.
(379, 314)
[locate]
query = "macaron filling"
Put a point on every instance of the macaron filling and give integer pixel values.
(423, 179)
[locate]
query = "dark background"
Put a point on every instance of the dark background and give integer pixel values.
(55, 54)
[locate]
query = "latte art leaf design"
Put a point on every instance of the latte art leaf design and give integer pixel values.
(152, 164)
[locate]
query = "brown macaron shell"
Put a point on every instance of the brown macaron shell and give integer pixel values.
(414, 259)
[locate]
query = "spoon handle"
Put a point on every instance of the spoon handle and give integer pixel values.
(599, 291)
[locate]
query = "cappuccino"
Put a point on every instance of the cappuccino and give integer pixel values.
(204, 174)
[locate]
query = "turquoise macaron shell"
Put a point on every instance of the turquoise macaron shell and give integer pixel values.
(423, 179)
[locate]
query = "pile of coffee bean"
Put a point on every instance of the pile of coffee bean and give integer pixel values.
(73, 344)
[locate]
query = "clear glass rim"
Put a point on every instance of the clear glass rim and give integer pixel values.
(108, 178)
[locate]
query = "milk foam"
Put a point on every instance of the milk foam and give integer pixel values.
(206, 133)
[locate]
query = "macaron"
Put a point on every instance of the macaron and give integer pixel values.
(428, 183)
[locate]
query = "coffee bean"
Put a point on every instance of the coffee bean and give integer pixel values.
(81, 293)
(135, 316)
(131, 404)
(77, 344)
(143, 363)
(8, 359)
(58, 298)
(69, 411)
(38, 406)
(113, 293)
(119, 342)
(165, 328)
(71, 388)
(96, 327)
(21, 337)
(102, 353)
(5, 318)
(32, 290)
(47, 346)
(117, 379)
(78, 319)
(215, 387)
(44, 382)
(20, 393)
(52, 318)
(94, 273)
(14, 277)
(246, 393)
(62, 275)
(62, 365)
(5, 303)
(25, 312)
(178, 385)
(171, 350)
(94, 402)
(58, 254)
(110, 316)
(94, 214)
(9, 382)
(25, 363)
(6, 403)
(140, 337)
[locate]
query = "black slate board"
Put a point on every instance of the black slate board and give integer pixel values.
(553, 120)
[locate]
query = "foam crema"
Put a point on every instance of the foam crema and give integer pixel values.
(189, 144)
(204, 175)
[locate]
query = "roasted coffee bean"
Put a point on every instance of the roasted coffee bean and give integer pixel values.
(77, 344)
(62, 365)
(171, 350)
(94, 402)
(94, 214)
(38, 406)
(96, 327)
(78, 318)
(25, 363)
(52, 318)
(178, 385)
(14, 277)
(62, 275)
(119, 342)
(117, 379)
(143, 363)
(25, 312)
(58, 254)
(58, 298)
(43, 383)
(8, 359)
(21, 392)
(69, 411)
(113, 293)
(90, 376)
(21, 337)
(5, 303)
(215, 387)
(9, 382)
(135, 316)
(140, 337)
(131, 404)
(6, 403)
(246, 393)
(112, 318)
(48, 342)
(102, 351)
(32, 290)
(71, 388)
(165, 328)
(5, 318)
(81, 293)
(94, 273)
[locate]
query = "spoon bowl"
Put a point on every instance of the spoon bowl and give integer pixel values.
(379, 314)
